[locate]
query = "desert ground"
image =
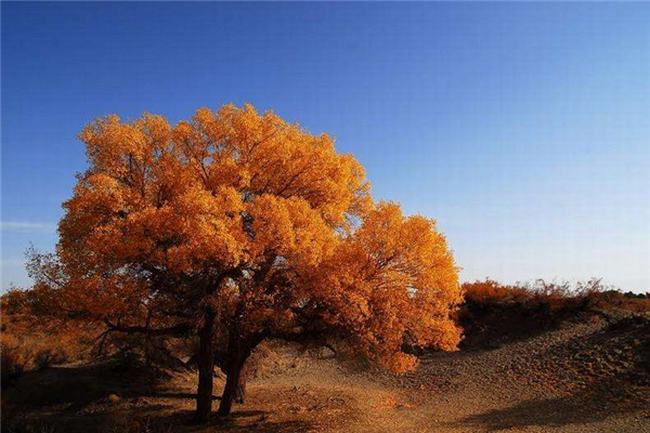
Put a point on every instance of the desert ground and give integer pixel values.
(588, 375)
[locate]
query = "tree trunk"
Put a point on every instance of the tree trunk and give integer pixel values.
(241, 384)
(206, 368)
(230, 391)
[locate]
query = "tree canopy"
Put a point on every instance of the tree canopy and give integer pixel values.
(236, 226)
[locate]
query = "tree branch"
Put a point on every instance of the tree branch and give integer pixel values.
(178, 330)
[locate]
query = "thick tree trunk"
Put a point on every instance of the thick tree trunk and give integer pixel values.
(206, 368)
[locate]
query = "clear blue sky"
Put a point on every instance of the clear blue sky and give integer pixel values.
(524, 129)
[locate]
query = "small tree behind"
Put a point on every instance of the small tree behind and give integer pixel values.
(236, 227)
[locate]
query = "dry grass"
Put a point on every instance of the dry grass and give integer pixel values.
(28, 344)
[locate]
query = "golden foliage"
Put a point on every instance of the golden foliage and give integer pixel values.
(256, 219)
(394, 277)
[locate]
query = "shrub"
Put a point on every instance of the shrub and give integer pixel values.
(494, 313)
(493, 291)
(591, 294)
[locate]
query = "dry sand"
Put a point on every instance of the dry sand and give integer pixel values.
(583, 377)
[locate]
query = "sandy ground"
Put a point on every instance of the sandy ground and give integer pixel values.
(589, 377)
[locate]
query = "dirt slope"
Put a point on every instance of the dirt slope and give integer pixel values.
(582, 377)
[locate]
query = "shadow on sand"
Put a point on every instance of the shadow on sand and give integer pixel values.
(584, 407)
(75, 399)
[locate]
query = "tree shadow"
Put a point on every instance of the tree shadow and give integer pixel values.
(243, 421)
(157, 419)
(178, 395)
(77, 399)
(80, 385)
(66, 394)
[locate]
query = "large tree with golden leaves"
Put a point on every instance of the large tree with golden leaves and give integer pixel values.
(235, 227)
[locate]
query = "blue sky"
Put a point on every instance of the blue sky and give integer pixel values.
(524, 129)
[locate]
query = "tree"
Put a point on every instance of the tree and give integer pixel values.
(235, 227)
